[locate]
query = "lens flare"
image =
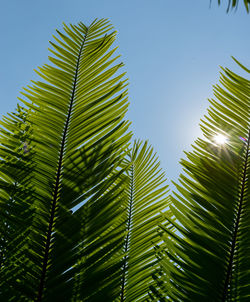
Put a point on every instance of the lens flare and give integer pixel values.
(243, 139)
(220, 139)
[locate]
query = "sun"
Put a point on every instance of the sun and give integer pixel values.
(220, 139)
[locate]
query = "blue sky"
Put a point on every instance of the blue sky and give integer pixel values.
(172, 51)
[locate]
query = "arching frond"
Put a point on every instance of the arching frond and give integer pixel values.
(212, 203)
(145, 198)
(79, 137)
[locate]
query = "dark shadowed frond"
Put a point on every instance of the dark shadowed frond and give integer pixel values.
(15, 191)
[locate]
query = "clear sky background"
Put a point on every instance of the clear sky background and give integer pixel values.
(172, 51)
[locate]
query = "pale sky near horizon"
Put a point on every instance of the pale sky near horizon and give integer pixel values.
(172, 51)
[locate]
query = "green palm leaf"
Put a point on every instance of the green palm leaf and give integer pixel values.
(212, 244)
(145, 199)
(78, 139)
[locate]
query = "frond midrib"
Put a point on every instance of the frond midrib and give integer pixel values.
(236, 223)
(58, 177)
(131, 196)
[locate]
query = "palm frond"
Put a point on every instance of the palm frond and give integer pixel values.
(79, 137)
(210, 258)
(145, 199)
(15, 176)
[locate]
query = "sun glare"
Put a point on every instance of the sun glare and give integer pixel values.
(220, 139)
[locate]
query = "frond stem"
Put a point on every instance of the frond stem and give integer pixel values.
(57, 182)
(124, 269)
(237, 222)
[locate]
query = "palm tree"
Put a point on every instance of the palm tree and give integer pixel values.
(84, 214)
(207, 257)
(79, 207)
